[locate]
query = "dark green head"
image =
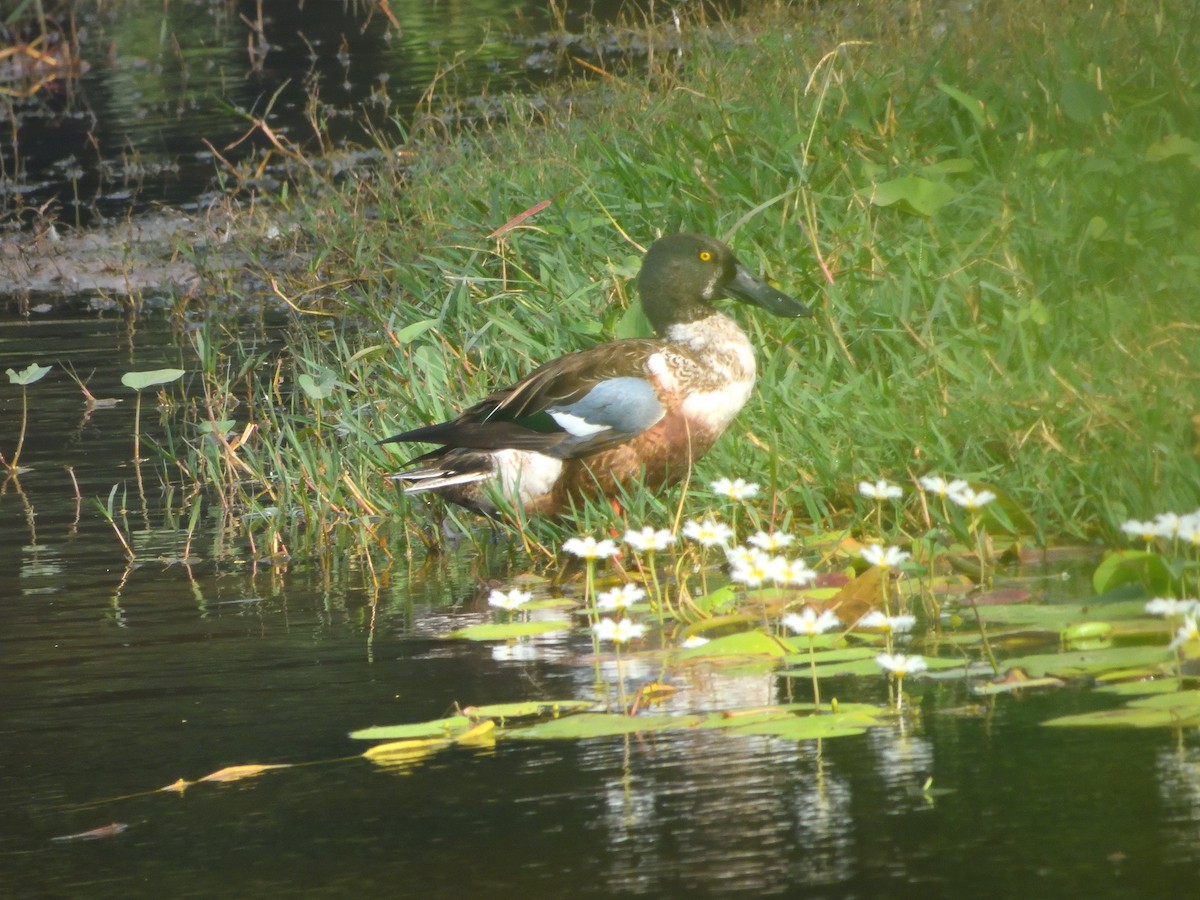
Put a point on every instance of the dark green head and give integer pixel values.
(683, 273)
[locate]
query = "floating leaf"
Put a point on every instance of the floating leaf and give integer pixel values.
(744, 643)
(141, 380)
(1147, 682)
(1087, 636)
(238, 773)
(482, 735)
(1158, 711)
(438, 728)
(1023, 684)
(404, 754)
(505, 631)
(593, 725)
(30, 374)
(811, 727)
(526, 710)
(920, 195)
(1078, 664)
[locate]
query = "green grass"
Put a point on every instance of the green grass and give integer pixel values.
(994, 216)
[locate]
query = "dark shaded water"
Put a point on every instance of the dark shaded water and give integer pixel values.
(115, 683)
(167, 87)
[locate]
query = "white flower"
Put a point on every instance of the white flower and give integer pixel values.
(1189, 631)
(694, 641)
(884, 557)
(740, 555)
(1168, 525)
(775, 540)
(620, 597)
(618, 632)
(738, 489)
(649, 539)
(509, 601)
(936, 484)
(971, 499)
(1171, 608)
(1147, 531)
(882, 622)
(880, 490)
(590, 548)
(708, 533)
(777, 570)
(900, 665)
(798, 573)
(751, 571)
(1190, 532)
(809, 623)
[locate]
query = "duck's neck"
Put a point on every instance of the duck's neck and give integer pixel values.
(721, 348)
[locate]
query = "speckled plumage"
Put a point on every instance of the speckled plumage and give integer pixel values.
(620, 414)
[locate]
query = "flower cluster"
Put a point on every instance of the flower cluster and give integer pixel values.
(957, 491)
(1167, 526)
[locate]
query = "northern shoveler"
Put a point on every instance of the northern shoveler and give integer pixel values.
(629, 411)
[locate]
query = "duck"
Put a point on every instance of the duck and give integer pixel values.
(632, 414)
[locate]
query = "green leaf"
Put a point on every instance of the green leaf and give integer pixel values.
(527, 709)
(594, 725)
(1157, 711)
(1082, 101)
(745, 643)
(27, 376)
(410, 333)
(141, 380)
(317, 388)
(438, 728)
(921, 195)
(222, 427)
(1077, 664)
(1087, 636)
(966, 101)
(505, 631)
(1142, 567)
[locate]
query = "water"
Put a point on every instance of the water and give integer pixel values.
(169, 91)
(116, 683)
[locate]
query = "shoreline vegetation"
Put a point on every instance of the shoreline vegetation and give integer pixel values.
(993, 209)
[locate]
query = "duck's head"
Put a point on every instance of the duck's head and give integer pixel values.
(683, 273)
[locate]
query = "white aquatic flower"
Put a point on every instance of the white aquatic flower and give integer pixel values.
(708, 533)
(590, 548)
(1189, 631)
(510, 600)
(777, 570)
(1189, 531)
(1168, 525)
(900, 665)
(621, 632)
(799, 574)
(751, 570)
(740, 555)
(810, 623)
(737, 489)
(884, 557)
(1147, 531)
(880, 490)
(768, 541)
(1171, 608)
(971, 499)
(883, 622)
(620, 597)
(649, 539)
(936, 484)
(694, 641)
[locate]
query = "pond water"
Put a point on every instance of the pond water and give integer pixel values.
(166, 91)
(116, 683)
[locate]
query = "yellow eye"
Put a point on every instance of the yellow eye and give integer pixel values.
(705, 256)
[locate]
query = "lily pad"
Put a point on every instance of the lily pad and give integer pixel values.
(1076, 664)
(438, 728)
(1158, 711)
(594, 725)
(505, 631)
(744, 643)
(529, 709)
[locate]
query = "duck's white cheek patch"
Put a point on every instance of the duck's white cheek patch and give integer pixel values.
(577, 426)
